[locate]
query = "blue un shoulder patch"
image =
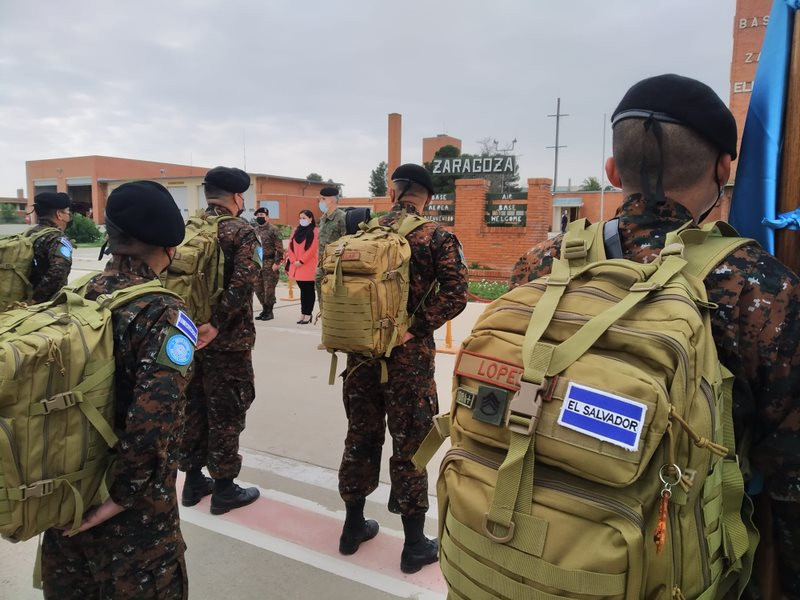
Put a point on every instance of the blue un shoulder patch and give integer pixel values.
(186, 326)
(179, 349)
(603, 415)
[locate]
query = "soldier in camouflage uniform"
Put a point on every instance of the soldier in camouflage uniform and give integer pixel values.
(331, 228)
(52, 251)
(130, 547)
(224, 385)
(408, 401)
(272, 249)
(757, 323)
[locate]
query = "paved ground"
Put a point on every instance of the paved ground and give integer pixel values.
(285, 545)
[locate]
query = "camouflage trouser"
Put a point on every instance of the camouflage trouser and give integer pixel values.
(786, 532)
(408, 403)
(82, 568)
(318, 275)
(217, 400)
(265, 286)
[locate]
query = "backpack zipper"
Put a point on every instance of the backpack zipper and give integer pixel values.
(46, 422)
(17, 358)
(84, 420)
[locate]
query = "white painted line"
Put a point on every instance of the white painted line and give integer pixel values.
(344, 569)
(322, 477)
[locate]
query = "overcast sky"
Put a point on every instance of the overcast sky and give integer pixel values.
(297, 87)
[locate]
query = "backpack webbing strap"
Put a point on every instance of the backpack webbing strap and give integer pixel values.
(439, 432)
(510, 481)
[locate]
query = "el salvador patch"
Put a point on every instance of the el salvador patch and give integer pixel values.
(179, 349)
(186, 326)
(66, 248)
(603, 416)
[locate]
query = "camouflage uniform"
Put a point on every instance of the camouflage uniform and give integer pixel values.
(224, 385)
(272, 246)
(331, 228)
(757, 331)
(139, 552)
(408, 400)
(52, 261)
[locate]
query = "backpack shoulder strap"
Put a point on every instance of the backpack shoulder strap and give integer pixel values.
(38, 234)
(410, 223)
(706, 247)
(123, 296)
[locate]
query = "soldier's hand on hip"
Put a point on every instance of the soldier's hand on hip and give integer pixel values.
(100, 514)
(275, 267)
(406, 337)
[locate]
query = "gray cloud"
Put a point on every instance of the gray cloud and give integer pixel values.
(307, 86)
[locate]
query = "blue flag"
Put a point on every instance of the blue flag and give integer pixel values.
(755, 195)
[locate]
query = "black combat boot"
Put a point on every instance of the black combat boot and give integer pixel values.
(267, 315)
(227, 496)
(356, 529)
(196, 487)
(261, 316)
(418, 550)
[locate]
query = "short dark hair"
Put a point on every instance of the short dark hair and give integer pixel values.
(414, 189)
(213, 192)
(686, 158)
(45, 212)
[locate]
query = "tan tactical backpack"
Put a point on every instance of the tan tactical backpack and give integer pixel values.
(198, 270)
(365, 289)
(16, 258)
(56, 409)
(592, 438)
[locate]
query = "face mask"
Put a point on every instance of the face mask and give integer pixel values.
(323, 207)
(304, 222)
(260, 220)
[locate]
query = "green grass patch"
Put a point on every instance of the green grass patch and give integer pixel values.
(488, 290)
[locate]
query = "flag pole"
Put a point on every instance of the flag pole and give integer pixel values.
(787, 242)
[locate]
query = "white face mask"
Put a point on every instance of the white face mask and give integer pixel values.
(304, 222)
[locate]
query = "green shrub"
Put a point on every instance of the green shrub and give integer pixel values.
(488, 290)
(285, 231)
(8, 214)
(82, 230)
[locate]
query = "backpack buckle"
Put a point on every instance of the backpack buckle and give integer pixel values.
(60, 401)
(523, 414)
(38, 489)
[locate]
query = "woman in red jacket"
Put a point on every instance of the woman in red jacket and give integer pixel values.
(302, 258)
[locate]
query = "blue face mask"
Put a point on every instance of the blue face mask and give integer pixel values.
(323, 207)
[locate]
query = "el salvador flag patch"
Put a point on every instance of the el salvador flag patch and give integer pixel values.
(186, 326)
(603, 416)
(260, 251)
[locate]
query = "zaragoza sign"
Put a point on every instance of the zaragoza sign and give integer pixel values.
(478, 165)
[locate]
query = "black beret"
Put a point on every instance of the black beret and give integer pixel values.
(146, 211)
(230, 179)
(55, 200)
(329, 191)
(415, 174)
(261, 209)
(675, 99)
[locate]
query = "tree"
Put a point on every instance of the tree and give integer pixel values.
(377, 180)
(444, 184)
(499, 183)
(591, 184)
(314, 177)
